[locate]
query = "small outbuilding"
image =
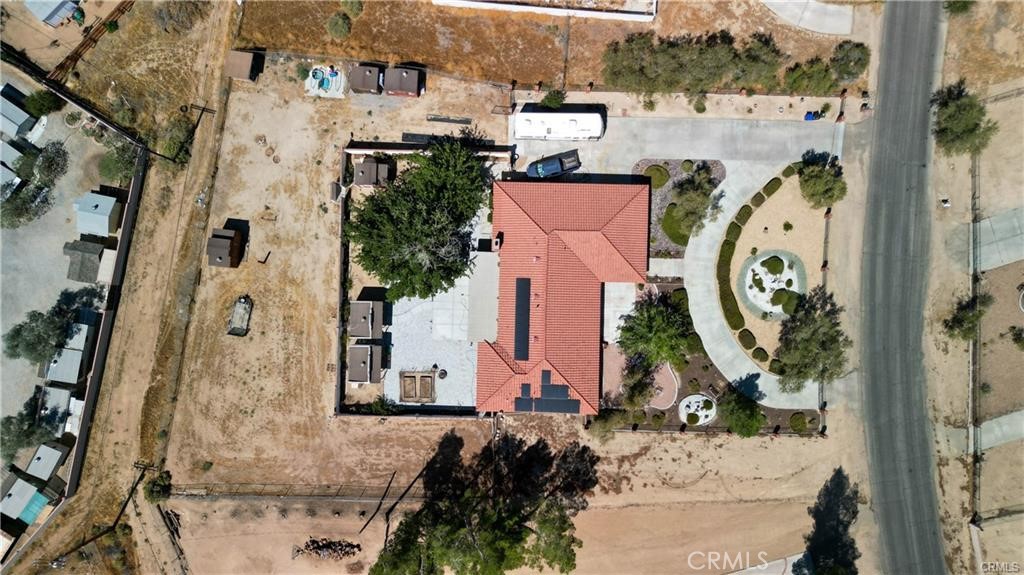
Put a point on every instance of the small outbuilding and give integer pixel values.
(402, 82)
(371, 172)
(51, 12)
(238, 325)
(83, 260)
(224, 248)
(15, 120)
(366, 320)
(97, 215)
(366, 79)
(364, 363)
(244, 65)
(47, 460)
(69, 365)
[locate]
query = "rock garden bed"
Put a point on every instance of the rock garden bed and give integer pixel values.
(677, 170)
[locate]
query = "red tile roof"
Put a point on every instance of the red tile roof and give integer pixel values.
(568, 239)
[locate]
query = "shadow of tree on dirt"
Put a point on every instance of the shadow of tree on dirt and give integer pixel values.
(508, 507)
(830, 548)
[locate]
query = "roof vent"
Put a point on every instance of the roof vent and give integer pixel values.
(404, 73)
(95, 206)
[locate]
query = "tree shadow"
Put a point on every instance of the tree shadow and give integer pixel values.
(830, 548)
(748, 386)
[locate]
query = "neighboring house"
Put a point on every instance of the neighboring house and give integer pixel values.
(51, 12)
(47, 460)
(557, 244)
(57, 404)
(244, 65)
(16, 122)
(224, 248)
(402, 82)
(371, 173)
(83, 260)
(24, 499)
(366, 79)
(97, 215)
(69, 365)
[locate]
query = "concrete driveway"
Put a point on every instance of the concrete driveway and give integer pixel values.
(627, 140)
(753, 152)
(814, 15)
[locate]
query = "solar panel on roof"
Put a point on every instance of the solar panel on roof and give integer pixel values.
(524, 390)
(556, 405)
(545, 377)
(522, 327)
(524, 404)
(554, 391)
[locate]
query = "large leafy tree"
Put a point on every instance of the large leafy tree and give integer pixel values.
(414, 235)
(509, 508)
(830, 548)
(759, 62)
(655, 329)
(961, 123)
(810, 78)
(812, 344)
(822, 185)
(849, 60)
(741, 413)
(40, 334)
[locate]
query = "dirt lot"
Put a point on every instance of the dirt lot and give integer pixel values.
(986, 45)
(1002, 361)
(258, 535)
(663, 496)
(806, 240)
(501, 47)
(259, 407)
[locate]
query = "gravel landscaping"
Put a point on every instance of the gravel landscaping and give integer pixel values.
(661, 245)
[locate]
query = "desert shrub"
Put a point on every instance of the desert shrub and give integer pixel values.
(810, 78)
(554, 100)
(744, 214)
(822, 185)
(760, 354)
(43, 102)
(747, 339)
(179, 16)
(339, 25)
(123, 113)
(353, 7)
(658, 420)
(798, 422)
(177, 139)
(207, 465)
(758, 63)
(118, 164)
(961, 123)
(742, 414)
(849, 60)
(825, 108)
(302, 71)
(687, 166)
(658, 175)
(773, 265)
(72, 117)
(757, 200)
(955, 7)
(787, 226)
(700, 106)
(773, 185)
(963, 323)
(692, 419)
(775, 366)
(159, 487)
(1016, 334)
(644, 64)
(693, 386)
(789, 171)
(734, 231)
(112, 26)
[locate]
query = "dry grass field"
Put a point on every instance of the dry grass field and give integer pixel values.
(986, 45)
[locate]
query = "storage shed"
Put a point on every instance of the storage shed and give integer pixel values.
(16, 121)
(366, 319)
(244, 65)
(371, 172)
(97, 215)
(366, 79)
(402, 82)
(47, 460)
(83, 260)
(364, 363)
(224, 248)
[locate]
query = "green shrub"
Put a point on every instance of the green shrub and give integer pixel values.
(789, 283)
(43, 102)
(553, 99)
(787, 299)
(954, 7)
(742, 414)
(787, 226)
(159, 487)
(798, 422)
(961, 122)
(760, 354)
(673, 229)
(700, 107)
(758, 282)
(111, 26)
(177, 139)
(353, 7)
(687, 166)
(772, 186)
(825, 108)
(638, 417)
(658, 420)
(707, 404)
(658, 175)
(302, 72)
(747, 339)
(849, 60)
(692, 419)
(822, 185)
(757, 200)
(693, 386)
(339, 25)
(606, 421)
(810, 78)
(773, 265)
(789, 171)
(965, 320)
(753, 251)
(775, 367)
(744, 214)
(207, 465)
(730, 307)
(734, 231)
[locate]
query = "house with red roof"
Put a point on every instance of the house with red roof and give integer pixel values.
(558, 243)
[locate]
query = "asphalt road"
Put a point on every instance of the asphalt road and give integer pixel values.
(894, 282)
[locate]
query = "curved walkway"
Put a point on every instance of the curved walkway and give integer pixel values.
(814, 15)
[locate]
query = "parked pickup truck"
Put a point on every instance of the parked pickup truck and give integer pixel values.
(556, 165)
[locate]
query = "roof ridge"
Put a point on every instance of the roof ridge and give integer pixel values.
(643, 273)
(583, 397)
(498, 388)
(518, 205)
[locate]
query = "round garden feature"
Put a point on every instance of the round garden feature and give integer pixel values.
(770, 283)
(697, 409)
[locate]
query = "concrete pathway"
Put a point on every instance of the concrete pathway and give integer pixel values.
(1001, 239)
(814, 15)
(1000, 430)
(665, 267)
